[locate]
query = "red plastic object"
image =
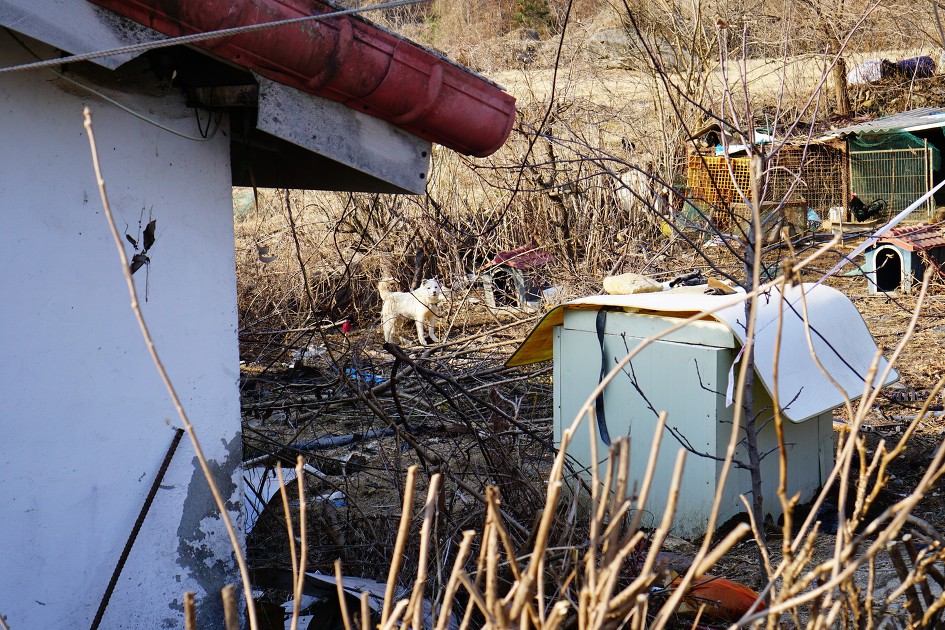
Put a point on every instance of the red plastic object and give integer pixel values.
(345, 60)
(527, 256)
(718, 598)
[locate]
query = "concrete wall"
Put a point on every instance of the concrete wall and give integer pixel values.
(84, 419)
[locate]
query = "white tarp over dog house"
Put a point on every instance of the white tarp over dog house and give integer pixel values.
(839, 336)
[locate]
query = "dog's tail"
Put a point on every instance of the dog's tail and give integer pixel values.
(383, 287)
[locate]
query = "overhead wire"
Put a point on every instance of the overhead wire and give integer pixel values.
(199, 37)
(204, 136)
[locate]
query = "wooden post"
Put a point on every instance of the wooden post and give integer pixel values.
(847, 179)
(929, 180)
(231, 615)
(190, 612)
(841, 90)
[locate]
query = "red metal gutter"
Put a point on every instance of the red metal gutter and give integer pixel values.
(347, 60)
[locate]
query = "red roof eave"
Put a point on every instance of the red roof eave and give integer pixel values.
(348, 60)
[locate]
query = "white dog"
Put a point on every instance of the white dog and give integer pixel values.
(417, 305)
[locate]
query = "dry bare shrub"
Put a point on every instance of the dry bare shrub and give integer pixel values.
(554, 182)
(586, 560)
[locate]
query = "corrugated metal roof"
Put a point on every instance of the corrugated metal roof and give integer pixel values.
(916, 238)
(912, 120)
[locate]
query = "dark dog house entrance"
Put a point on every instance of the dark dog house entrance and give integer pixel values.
(507, 287)
(888, 269)
(901, 256)
(891, 267)
(513, 278)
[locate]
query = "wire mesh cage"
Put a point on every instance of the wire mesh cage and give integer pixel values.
(898, 176)
(803, 176)
(816, 173)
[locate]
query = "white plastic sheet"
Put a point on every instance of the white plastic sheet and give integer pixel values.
(841, 342)
(867, 72)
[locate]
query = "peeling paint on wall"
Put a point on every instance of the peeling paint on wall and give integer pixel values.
(204, 549)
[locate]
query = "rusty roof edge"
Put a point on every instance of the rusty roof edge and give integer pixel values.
(349, 60)
(917, 119)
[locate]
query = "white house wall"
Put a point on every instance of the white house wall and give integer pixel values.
(85, 419)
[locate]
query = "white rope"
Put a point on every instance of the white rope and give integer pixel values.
(197, 37)
(120, 105)
(139, 115)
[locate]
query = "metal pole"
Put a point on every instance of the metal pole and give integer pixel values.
(135, 529)
(928, 179)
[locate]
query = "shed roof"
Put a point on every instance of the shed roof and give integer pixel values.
(841, 340)
(348, 60)
(335, 104)
(76, 27)
(912, 120)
